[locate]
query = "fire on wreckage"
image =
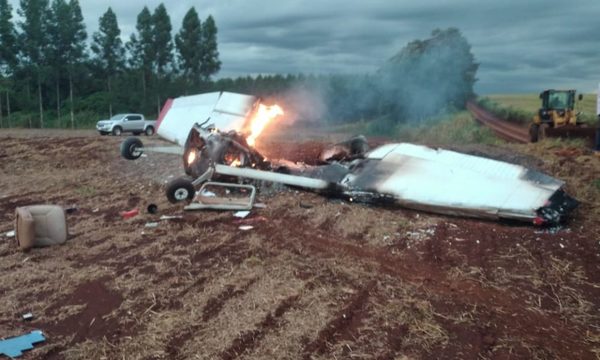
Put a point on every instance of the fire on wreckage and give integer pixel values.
(402, 174)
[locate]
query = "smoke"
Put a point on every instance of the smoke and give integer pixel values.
(302, 104)
(426, 78)
(430, 76)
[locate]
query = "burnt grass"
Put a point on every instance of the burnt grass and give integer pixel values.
(316, 278)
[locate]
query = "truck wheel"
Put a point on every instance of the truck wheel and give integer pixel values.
(179, 190)
(132, 148)
(534, 132)
(117, 131)
(149, 131)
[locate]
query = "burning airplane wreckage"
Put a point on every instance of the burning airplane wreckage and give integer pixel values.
(216, 134)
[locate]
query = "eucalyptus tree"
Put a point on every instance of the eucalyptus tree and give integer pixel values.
(34, 41)
(189, 47)
(108, 49)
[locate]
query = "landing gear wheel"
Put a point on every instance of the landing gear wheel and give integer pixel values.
(180, 190)
(117, 131)
(534, 133)
(132, 148)
(149, 131)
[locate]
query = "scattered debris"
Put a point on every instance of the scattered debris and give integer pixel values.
(151, 224)
(260, 205)
(15, 346)
(152, 209)
(241, 214)
(223, 196)
(246, 227)
(27, 317)
(251, 220)
(553, 230)
(71, 210)
(95, 210)
(171, 217)
(130, 213)
(10, 233)
(40, 225)
(305, 205)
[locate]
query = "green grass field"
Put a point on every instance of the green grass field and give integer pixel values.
(532, 102)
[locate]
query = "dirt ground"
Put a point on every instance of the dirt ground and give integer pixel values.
(316, 278)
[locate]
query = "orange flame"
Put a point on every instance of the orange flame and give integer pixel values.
(263, 116)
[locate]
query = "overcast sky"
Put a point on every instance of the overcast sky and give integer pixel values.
(522, 45)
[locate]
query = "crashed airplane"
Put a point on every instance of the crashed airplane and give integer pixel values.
(216, 132)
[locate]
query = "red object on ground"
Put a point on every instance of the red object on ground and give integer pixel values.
(130, 213)
(538, 221)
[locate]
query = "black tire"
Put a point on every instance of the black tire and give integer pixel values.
(117, 131)
(180, 190)
(149, 131)
(534, 132)
(132, 148)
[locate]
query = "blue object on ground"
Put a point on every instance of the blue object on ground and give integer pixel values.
(14, 347)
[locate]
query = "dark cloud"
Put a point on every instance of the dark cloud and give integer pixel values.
(523, 46)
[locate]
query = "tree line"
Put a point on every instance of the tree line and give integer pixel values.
(50, 77)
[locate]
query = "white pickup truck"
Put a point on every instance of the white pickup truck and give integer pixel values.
(120, 123)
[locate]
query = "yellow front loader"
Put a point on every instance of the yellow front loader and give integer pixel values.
(557, 116)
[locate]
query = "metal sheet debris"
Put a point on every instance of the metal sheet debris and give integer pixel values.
(224, 196)
(14, 347)
(241, 214)
(171, 217)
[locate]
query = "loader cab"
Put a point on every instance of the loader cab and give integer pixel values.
(557, 111)
(558, 100)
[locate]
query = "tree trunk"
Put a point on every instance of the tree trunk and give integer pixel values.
(144, 85)
(58, 101)
(40, 100)
(109, 98)
(71, 100)
(8, 108)
(29, 101)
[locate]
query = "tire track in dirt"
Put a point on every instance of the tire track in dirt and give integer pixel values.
(249, 340)
(214, 305)
(538, 327)
(212, 308)
(342, 325)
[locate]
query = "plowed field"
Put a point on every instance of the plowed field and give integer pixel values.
(316, 278)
